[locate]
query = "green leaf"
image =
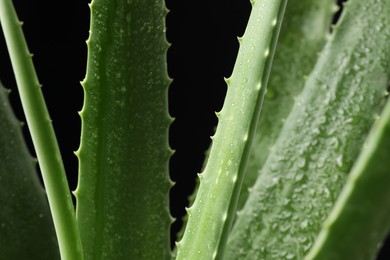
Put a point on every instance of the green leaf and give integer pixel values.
(26, 225)
(302, 35)
(362, 213)
(320, 140)
(42, 134)
(123, 192)
(211, 215)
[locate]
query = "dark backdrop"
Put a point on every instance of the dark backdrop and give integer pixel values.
(203, 51)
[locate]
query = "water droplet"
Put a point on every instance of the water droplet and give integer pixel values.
(357, 67)
(301, 162)
(315, 131)
(302, 239)
(339, 160)
(275, 180)
(299, 176)
(333, 142)
(274, 167)
(322, 119)
(266, 53)
(274, 226)
(285, 214)
(286, 202)
(285, 227)
(307, 246)
(303, 224)
(326, 192)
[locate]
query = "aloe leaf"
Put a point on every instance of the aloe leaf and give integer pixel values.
(26, 225)
(123, 192)
(302, 36)
(320, 140)
(362, 212)
(211, 215)
(42, 134)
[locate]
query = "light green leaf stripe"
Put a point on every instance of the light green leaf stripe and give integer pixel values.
(302, 36)
(362, 212)
(320, 140)
(123, 192)
(211, 215)
(42, 134)
(26, 226)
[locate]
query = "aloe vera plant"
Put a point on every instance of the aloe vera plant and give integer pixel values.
(304, 173)
(314, 177)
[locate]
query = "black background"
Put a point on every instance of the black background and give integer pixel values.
(203, 51)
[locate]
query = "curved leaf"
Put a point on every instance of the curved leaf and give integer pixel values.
(26, 225)
(320, 139)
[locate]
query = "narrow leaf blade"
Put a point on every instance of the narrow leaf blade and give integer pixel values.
(211, 215)
(303, 34)
(124, 184)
